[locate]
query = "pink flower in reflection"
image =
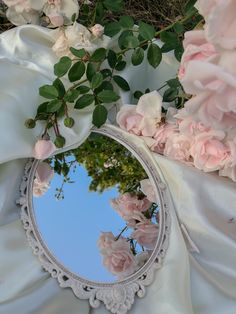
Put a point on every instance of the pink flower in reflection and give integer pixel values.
(146, 234)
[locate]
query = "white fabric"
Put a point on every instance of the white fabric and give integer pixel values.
(188, 283)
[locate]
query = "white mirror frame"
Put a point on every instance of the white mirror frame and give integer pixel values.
(118, 297)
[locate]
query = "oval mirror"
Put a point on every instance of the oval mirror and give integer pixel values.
(97, 217)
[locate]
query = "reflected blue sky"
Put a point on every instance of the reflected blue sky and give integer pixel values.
(71, 227)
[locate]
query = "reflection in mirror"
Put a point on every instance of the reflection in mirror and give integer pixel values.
(96, 210)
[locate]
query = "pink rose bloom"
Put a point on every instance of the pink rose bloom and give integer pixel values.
(206, 77)
(188, 126)
(119, 259)
(105, 241)
(43, 149)
(133, 218)
(128, 203)
(19, 5)
(143, 119)
(178, 147)
(196, 48)
(146, 234)
(220, 16)
(229, 172)
(97, 30)
(148, 189)
(44, 173)
(129, 120)
(39, 188)
(161, 136)
(209, 152)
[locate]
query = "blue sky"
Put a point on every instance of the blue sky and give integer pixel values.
(71, 227)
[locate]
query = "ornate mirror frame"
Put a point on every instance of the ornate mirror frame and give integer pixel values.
(118, 297)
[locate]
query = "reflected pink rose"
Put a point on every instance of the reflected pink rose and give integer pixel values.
(39, 188)
(178, 147)
(209, 152)
(43, 149)
(106, 241)
(146, 234)
(196, 48)
(148, 189)
(128, 203)
(44, 172)
(119, 259)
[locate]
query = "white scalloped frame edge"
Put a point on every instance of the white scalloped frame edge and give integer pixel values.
(117, 297)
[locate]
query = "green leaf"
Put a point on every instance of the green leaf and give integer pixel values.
(174, 83)
(120, 66)
(106, 73)
(131, 42)
(90, 72)
(82, 89)
(137, 56)
(78, 53)
(138, 94)
(77, 71)
(121, 82)
(146, 31)
(42, 108)
(84, 101)
(178, 27)
(112, 58)
(48, 91)
(168, 47)
(154, 55)
(190, 6)
(170, 95)
(122, 38)
(106, 85)
(126, 22)
(72, 95)
(114, 5)
(54, 105)
(99, 55)
(63, 66)
(60, 87)
(169, 38)
(112, 29)
(99, 115)
(179, 50)
(108, 96)
(96, 80)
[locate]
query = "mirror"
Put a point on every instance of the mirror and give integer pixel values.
(98, 218)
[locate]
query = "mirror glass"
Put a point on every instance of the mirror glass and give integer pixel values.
(97, 210)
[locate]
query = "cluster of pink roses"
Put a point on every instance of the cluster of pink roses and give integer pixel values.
(117, 255)
(204, 132)
(58, 12)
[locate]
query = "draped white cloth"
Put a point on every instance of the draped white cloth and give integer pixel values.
(189, 282)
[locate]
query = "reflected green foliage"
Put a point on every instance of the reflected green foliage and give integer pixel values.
(107, 162)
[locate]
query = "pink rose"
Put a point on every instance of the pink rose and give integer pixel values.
(229, 172)
(44, 173)
(205, 7)
(129, 120)
(56, 19)
(178, 147)
(148, 189)
(105, 241)
(39, 188)
(19, 5)
(43, 149)
(209, 152)
(144, 119)
(119, 259)
(128, 203)
(196, 48)
(188, 126)
(206, 77)
(161, 136)
(221, 22)
(146, 234)
(97, 30)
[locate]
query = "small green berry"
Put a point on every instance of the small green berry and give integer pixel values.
(59, 141)
(69, 122)
(30, 123)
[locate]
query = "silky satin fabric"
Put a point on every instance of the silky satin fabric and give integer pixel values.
(188, 283)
